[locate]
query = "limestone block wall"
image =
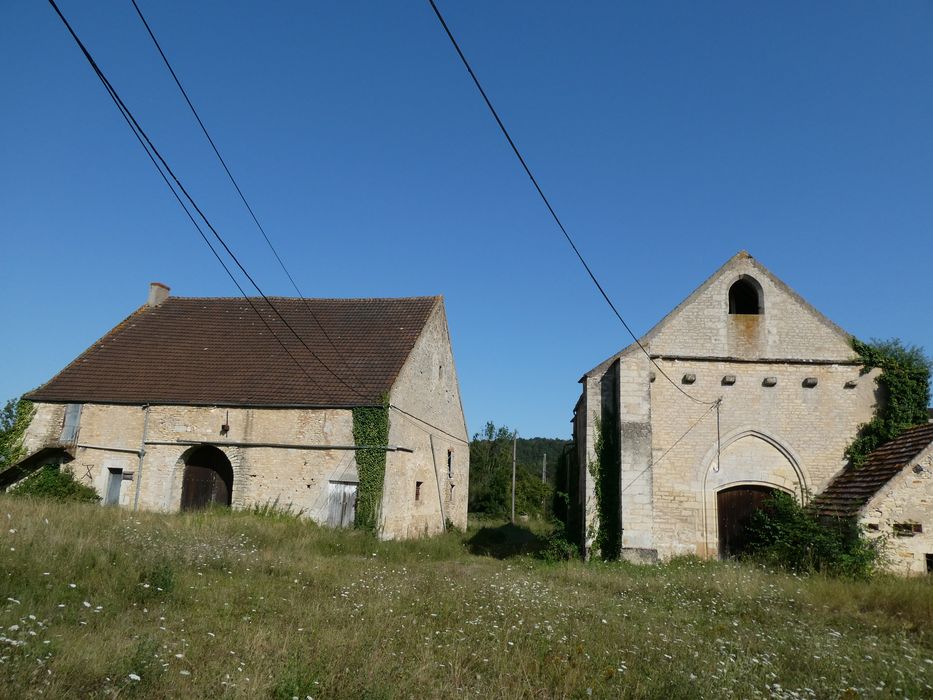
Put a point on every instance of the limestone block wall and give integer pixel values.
(110, 437)
(427, 389)
(591, 406)
(787, 328)
(787, 436)
(636, 478)
(907, 500)
(46, 426)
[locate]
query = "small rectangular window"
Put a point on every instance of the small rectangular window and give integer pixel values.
(907, 529)
(930, 563)
(418, 490)
(71, 423)
(450, 464)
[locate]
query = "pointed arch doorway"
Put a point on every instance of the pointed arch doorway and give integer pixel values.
(208, 479)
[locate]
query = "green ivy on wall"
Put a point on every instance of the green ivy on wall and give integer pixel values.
(905, 383)
(370, 427)
(605, 470)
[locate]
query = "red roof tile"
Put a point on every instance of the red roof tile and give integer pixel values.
(852, 489)
(217, 351)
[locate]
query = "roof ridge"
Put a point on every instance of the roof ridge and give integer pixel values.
(433, 297)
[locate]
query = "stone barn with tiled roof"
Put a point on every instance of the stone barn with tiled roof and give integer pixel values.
(891, 496)
(190, 402)
(683, 475)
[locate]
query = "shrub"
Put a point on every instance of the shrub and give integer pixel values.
(275, 511)
(789, 536)
(55, 484)
(558, 547)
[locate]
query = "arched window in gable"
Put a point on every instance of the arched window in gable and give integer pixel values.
(745, 297)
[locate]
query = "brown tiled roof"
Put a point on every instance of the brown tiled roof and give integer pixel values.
(217, 351)
(852, 489)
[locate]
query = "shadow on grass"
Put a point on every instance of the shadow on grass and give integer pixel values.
(505, 541)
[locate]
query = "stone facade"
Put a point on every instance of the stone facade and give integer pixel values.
(290, 457)
(440, 463)
(902, 514)
(790, 393)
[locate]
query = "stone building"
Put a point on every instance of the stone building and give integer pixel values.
(891, 497)
(764, 394)
(197, 401)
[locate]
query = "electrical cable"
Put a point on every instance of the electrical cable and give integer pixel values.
(657, 461)
(148, 146)
(239, 190)
(550, 209)
(141, 132)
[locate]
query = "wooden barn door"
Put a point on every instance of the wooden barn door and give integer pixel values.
(208, 479)
(341, 504)
(735, 507)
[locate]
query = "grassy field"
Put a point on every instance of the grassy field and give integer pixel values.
(102, 602)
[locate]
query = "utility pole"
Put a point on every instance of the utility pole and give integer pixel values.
(514, 448)
(544, 468)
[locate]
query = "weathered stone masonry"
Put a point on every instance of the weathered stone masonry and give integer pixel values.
(792, 398)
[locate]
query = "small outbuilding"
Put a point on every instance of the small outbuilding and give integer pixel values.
(891, 496)
(344, 410)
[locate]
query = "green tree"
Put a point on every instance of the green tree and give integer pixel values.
(14, 419)
(491, 470)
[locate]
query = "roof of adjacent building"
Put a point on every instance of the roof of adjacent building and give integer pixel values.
(219, 352)
(852, 489)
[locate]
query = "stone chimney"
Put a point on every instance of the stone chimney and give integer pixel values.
(158, 293)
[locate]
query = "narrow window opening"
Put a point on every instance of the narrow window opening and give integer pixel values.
(930, 563)
(418, 490)
(743, 298)
(907, 529)
(450, 464)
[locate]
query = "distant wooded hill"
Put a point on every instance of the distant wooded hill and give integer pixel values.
(491, 471)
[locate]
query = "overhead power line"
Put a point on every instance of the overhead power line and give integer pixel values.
(142, 136)
(550, 209)
(156, 158)
(237, 187)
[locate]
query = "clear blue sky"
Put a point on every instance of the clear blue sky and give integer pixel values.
(667, 135)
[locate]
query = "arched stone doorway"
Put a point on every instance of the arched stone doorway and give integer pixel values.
(735, 507)
(208, 479)
(745, 459)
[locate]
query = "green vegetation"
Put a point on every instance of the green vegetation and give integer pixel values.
(787, 535)
(370, 427)
(106, 602)
(491, 473)
(905, 382)
(14, 419)
(55, 484)
(607, 540)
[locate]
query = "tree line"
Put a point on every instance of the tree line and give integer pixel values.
(491, 472)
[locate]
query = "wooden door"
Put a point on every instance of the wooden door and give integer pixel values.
(735, 507)
(208, 479)
(341, 504)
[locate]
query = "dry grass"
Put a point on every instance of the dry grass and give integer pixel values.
(102, 602)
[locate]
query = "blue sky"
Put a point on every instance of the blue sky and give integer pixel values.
(667, 135)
